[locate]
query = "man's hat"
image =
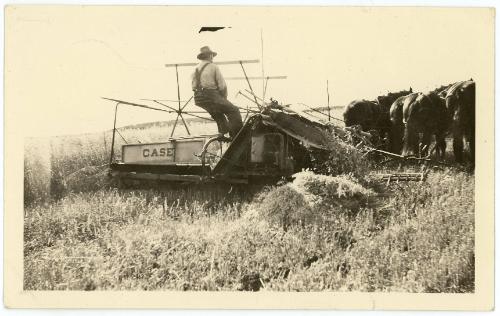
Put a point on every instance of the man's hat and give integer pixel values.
(204, 51)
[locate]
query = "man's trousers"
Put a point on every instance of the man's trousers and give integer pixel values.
(226, 115)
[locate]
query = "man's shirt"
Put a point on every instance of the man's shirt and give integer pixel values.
(211, 77)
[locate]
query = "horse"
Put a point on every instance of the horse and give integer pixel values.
(373, 115)
(460, 102)
(362, 112)
(427, 115)
(396, 118)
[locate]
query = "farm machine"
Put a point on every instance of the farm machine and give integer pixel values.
(272, 144)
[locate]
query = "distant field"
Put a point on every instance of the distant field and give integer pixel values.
(319, 233)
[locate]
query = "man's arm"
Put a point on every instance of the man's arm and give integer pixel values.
(193, 81)
(221, 83)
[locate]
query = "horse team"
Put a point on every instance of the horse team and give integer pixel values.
(408, 120)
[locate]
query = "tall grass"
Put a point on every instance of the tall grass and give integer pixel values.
(327, 232)
(420, 241)
(58, 165)
(37, 171)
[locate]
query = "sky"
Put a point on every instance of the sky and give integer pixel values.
(61, 60)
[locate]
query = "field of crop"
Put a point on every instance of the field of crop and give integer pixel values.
(318, 233)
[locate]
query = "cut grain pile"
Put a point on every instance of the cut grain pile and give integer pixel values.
(311, 200)
(343, 155)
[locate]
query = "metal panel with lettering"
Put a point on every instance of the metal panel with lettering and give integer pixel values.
(156, 153)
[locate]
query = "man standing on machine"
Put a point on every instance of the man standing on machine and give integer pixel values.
(210, 93)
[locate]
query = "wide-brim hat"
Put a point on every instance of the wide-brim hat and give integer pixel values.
(204, 52)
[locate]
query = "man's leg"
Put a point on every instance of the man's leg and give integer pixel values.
(235, 121)
(219, 118)
(232, 113)
(222, 123)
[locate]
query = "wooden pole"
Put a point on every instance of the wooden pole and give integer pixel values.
(255, 78)
(230, 62)
(313, 109)
(178, 88)
(265, 88)
(111, 156)
(175, 124)
(249, 85)
(248, 98)
(184, 122)
(328, 96)
(140, 105)
(262, 63)
(179, 113)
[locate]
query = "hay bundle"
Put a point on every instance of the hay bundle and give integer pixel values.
(311, 199)
(344, 154)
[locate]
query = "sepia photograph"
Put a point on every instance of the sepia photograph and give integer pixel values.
(253, 152)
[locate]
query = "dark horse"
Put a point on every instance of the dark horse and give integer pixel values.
(397, 126)
(372, 115)
(461, 106)
(396, 116)
(426, 115)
